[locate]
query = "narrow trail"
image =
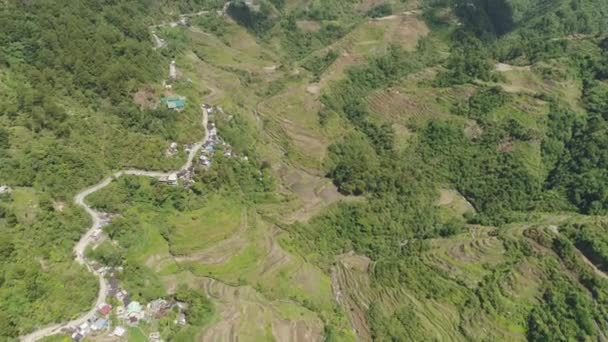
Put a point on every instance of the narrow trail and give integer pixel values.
(87, 238)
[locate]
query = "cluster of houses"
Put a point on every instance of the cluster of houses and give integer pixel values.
(128, 314)
(213, 140)
(209, 148)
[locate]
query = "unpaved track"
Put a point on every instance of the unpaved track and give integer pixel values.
(86, 239)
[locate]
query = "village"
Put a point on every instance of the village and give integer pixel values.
(210, 146)
(110, 321)
(116, 312)
(115, 317)
(212, 141)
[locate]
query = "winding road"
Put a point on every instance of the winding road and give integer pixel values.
(87, 238)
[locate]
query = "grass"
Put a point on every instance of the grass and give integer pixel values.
(137, 335)
(25, 204)
(196, 230)
(237, 267)
(57, 338)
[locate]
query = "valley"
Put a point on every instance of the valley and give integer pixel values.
(369, 171)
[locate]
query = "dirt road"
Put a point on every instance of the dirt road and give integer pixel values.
(87, 238)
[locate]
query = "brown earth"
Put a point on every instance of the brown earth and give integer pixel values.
(146, 99)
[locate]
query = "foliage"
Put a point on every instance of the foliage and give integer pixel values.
(591, 240)
(257, 21)
(468, 61)
(298, 43)
(36, 269)
(403, 324)
(565, 314)
(318, 64)
(200, 309)
(382, 10)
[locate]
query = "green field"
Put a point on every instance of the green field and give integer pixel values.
(403, 170)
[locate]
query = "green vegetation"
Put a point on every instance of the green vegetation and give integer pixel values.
(501, 109)
(318, 64)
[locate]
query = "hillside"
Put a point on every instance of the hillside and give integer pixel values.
(378, 170)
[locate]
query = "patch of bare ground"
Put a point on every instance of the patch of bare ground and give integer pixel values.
(313, 89)
(397, 105)
(146, 99)
(308, 25)
(472, 130)
(502, 67)
(245, 314)
(351, 287)
(366, 5)
(408, 31)
(453, 200)
(313, 192)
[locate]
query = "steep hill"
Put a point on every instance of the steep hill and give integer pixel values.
(380, 170)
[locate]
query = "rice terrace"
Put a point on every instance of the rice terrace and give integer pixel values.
(304, 170)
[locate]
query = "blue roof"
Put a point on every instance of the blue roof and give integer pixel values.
(176, 104)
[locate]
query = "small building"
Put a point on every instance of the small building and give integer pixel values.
(84, 328)
(119, 331)
(100, 324)
(134, 308)
(174, 102)
(172, 71)
(157, 305)
(172, 149)
(181, 319)
(105, 309)
(181, 306)
(170, 179)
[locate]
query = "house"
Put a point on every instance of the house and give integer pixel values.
(77, 337)
(123, 296)
(119, 331)
(181, 319)
(174, 102)
(100, 324)
(84, 328)
(105, 309)
(172, 150)
(181, 306)
(157, 306)
(170, 179)
(134, 308)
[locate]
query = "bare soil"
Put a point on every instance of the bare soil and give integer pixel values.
(146, 99)
(308, 25)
